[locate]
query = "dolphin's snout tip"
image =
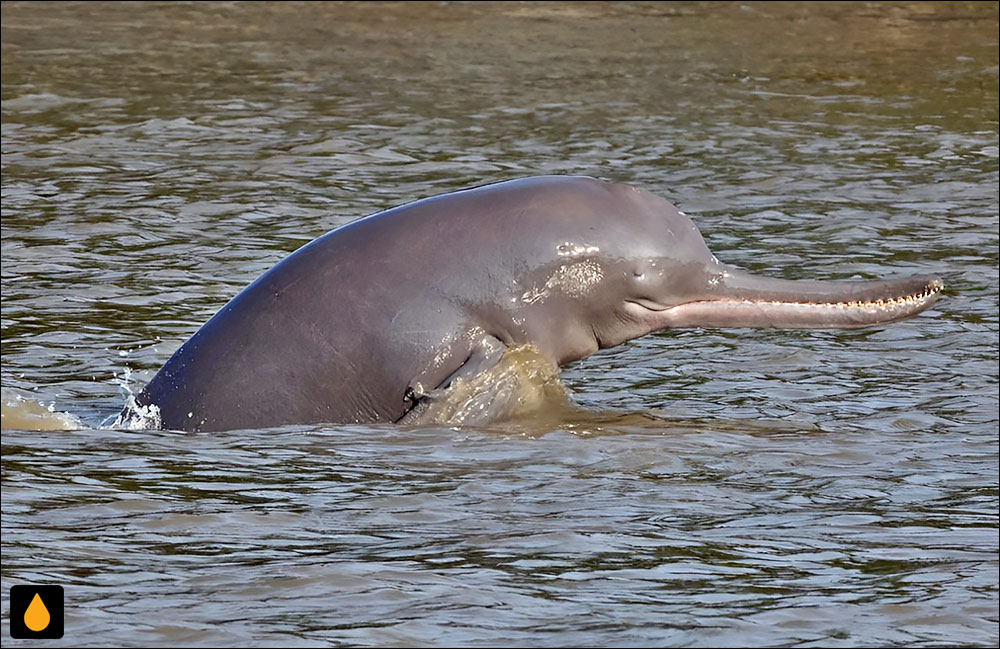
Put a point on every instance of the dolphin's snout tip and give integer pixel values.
(933, 286)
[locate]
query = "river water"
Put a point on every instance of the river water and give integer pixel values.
(715, 488)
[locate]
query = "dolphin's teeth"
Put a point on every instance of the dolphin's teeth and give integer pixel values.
(879, 303)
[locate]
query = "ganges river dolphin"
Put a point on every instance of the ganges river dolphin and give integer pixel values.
(362, 323)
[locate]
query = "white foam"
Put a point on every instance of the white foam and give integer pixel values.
(133, 416)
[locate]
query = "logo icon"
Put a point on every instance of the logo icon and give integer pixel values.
(36, 612)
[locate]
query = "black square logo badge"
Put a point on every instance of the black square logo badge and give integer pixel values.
(36, 612)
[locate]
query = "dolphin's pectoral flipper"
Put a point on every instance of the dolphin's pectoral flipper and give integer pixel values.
(483, 354)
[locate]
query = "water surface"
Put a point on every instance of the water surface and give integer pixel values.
(720, 488)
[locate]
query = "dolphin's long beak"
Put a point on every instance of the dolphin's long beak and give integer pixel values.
(739, 299)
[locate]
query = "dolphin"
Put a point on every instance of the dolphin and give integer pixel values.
(361, 324)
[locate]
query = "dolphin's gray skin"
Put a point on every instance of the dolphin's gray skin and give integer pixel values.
(361, 323)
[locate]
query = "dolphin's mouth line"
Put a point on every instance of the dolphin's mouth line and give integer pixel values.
(651, 305)
(850, 308)
(932, 288)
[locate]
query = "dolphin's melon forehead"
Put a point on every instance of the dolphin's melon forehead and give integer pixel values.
(547, 218)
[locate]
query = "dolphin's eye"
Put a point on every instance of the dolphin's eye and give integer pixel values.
(637, 274)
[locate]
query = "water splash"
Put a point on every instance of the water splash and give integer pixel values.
(523, 386)
(133, 416)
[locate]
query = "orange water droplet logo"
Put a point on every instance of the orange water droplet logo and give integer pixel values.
(37, 616)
